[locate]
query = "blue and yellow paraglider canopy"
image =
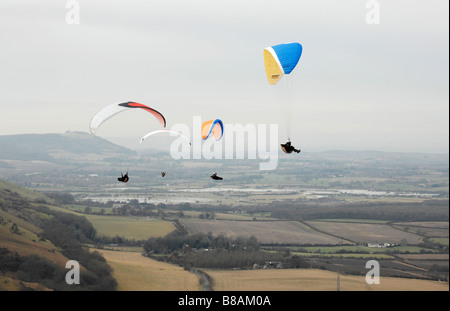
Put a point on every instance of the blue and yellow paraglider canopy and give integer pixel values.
(281, 59)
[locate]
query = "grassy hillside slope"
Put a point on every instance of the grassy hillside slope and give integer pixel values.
(36, 242)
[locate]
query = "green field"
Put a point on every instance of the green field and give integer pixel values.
(129, 227)
(443, 241)
(370, 221)
(350, 255)
(362, 249)
(352, 251)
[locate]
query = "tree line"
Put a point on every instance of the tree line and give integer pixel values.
(182, 242)
(202, 250)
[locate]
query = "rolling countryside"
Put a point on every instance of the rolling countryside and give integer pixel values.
(156, 234)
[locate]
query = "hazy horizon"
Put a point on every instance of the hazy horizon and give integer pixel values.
(358, 86)
(162, 144)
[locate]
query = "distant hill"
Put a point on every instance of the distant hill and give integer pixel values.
(41, 146)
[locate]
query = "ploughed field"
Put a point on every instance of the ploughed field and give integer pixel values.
(366, 232)
(304, 233)
(266, 232)
(312, 280)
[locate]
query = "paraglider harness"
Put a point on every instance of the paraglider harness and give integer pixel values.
(124, 178)
(215, 177)
(288, 148)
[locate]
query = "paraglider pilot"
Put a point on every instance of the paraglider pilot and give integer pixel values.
(124, 178)
(215, 177)
(288, 148)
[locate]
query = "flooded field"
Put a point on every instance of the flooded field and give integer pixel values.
(232, 195)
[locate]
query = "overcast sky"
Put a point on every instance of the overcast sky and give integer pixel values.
(357, 86)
